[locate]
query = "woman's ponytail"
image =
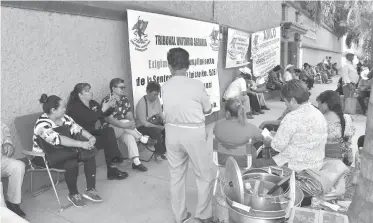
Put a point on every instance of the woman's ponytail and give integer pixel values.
(337, 108)
(241, 114)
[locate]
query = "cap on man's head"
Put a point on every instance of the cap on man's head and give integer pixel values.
(289, 66)
(245, 70)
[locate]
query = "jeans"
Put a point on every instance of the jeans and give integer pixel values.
(361, 99)
(72, 171)
(14, 170)
(106, 140)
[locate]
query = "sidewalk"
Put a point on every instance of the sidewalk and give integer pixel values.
(143, 197)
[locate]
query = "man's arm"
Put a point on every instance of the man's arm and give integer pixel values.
(205, 100)
(5, 136)
(345, 77)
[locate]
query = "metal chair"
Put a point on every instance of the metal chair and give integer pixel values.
(25, 128)
(242, 154)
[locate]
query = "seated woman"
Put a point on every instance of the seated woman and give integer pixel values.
(149, 119)
(274, 79)
(254, 99)
(340, 127)
(234, 130)
(301, 137)
(86, 112)
(54, 134)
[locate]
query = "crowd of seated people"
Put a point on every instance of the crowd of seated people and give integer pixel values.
(313, 142)
(72, 132)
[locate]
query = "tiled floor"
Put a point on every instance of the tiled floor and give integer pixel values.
(143, 197)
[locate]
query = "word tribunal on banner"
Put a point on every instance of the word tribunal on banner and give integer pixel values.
(265, 51)
(151, 36)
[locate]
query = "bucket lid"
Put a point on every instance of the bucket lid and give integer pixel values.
(234, 182)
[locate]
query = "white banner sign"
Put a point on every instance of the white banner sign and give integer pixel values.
(237, 45)
(151, 36)
(265, 51)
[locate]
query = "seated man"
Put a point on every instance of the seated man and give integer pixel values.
(14, 169)
(123, 123)
(238, 89)
(364, 87)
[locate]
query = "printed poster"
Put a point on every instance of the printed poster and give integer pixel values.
(237, 47)
(265, 51)
(151, 36)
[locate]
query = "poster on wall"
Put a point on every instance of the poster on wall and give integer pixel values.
(151, 36)
(265, 52)
(237, 45)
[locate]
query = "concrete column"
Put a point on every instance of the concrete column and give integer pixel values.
(286, 51)
(285, 11)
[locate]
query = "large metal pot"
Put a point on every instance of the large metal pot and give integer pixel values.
(245, 208)
(277, 202)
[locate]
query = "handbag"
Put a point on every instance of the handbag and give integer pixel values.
(155, 119)
(57, 153)
(270, 85)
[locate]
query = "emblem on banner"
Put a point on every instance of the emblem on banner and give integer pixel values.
(232, 52)
(140, 40)
(215, 42)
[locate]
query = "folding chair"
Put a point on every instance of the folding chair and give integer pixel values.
(242, 154)
(25, 128)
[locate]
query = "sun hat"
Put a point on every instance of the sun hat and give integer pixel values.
(364, 74)
(245, 70)
(289, 66)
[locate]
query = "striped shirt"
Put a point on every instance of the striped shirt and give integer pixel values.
(44, 127)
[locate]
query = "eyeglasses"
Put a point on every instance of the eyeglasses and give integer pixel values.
(121, 87)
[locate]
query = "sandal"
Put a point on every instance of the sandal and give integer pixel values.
(158, 159)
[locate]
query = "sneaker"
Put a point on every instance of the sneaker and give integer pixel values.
(158, 158)
(139, 167)
(164, 157)
(187, 218)
(76, 200)
(92, 195)
(15, 208)
(249, 116)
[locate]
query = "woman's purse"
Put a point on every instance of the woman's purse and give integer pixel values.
(155, 119)
(57, 153)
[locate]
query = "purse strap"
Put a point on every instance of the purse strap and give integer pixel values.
(146, 104)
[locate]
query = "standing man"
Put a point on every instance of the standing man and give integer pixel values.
(14, 170)
(349, 76)
(185, 104)
(365, 85)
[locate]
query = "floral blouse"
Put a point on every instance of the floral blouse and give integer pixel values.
(301, 138)
(335, 135)
(122, 107)
(44, 128)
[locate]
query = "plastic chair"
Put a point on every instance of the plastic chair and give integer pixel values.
(242, 154)
(25, 128)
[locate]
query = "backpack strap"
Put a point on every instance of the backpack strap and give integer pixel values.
(146, 104)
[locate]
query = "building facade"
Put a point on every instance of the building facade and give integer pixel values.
(48, 47)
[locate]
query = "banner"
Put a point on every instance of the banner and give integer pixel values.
(151, 36)
(265, 51)
(237, 45)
